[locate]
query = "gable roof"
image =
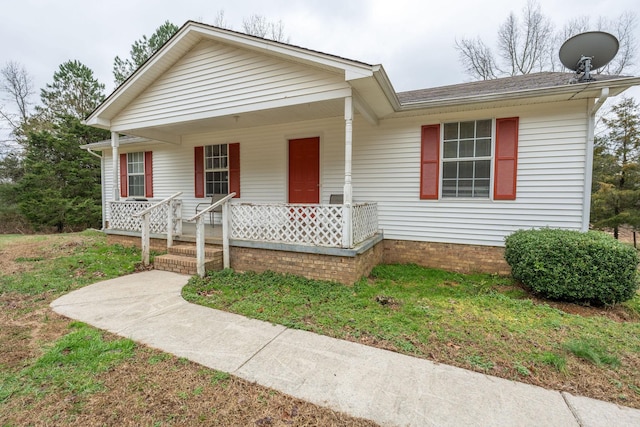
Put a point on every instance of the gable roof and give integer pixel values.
(370, 80)
(373, 92)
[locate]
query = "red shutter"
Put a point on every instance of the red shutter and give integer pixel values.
(506, 161)
(198, 166)
(234, 168)
(430, 162)
(148, 174)
(124, 181)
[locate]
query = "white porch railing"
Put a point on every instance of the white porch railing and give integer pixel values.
(121, 216)
(199, 219)
(365, 221)
(154, 218)
(318, 225)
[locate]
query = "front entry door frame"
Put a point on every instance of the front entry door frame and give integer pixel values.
(304, 170)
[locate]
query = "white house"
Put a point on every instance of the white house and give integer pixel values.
(436, 177)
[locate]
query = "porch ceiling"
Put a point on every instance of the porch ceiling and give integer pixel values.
(308, 111)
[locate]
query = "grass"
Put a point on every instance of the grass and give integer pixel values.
(80, 262)
(479, 322)
(71, 364)
(57, 372)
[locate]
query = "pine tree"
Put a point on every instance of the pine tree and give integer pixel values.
(141, 50)
(61, 183)
(75, 92)
(616, 200)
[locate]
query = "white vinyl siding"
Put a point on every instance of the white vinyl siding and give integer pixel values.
(386, 170)
(214, 80)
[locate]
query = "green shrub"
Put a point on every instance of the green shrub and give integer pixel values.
(565, 265)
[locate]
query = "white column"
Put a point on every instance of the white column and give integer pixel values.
(115, 143)
(347, 235)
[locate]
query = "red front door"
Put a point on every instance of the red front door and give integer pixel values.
(304, 170)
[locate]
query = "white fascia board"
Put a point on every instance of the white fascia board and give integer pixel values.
(97, 122)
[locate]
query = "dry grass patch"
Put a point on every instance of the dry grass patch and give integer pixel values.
(148, 387)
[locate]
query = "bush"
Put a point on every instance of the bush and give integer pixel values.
(564, 265)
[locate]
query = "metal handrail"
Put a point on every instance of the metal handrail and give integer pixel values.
(213, 206)
(152, 207)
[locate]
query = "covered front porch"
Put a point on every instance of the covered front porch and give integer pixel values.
(303, 239)
(216, 113)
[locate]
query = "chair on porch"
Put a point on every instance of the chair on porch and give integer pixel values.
(204, 205)
(336, 199)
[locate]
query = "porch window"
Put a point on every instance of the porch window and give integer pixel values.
(216, 160)
(135, 174)
(466, 159)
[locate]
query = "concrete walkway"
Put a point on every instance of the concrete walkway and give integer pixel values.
(389, 388)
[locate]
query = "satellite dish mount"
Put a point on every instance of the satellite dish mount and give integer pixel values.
(584, 67)
(587, 52)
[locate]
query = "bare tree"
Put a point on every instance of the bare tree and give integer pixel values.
(623, 28)
(17, 87)
(477, 58)
(259, 26)
(220, 21)
(531, 44)
(522, 45)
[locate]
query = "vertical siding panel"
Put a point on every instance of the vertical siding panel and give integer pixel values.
(430, 162)
(148, 174)
(234, 168)
(124, 180)
(198, 174)
(506, 159)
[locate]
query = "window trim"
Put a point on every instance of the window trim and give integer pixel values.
(503, 184)
(490, 157)
(212, 170)
(147, 175)
(136, 174)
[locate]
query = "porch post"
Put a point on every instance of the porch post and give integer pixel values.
(347, 235)
(115, 143)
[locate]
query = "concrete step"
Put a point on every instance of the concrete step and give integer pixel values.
(182, 259)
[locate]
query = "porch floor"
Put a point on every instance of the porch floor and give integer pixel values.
(212, 234)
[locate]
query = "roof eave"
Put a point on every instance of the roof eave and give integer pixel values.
(98, 118)
(616, 85)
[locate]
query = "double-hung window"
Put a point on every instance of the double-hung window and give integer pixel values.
(135, 174)
(466, 159)
(216, 169)
(475, 159)
(216, 160)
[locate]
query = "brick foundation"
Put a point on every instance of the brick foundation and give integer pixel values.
(349, 269)
(342, 269)
(447, 256)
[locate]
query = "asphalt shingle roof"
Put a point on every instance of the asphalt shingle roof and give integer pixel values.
(495, 86)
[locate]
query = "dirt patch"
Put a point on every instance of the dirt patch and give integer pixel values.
(152, 388)
(19, 256)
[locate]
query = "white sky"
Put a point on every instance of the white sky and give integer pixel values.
(413, 39)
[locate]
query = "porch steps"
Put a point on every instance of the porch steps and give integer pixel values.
(182, 259)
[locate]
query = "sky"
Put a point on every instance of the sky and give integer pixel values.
(414, 40)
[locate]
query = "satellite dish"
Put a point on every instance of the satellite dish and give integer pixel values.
(588, 51)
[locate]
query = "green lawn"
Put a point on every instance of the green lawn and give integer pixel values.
(480, 322)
